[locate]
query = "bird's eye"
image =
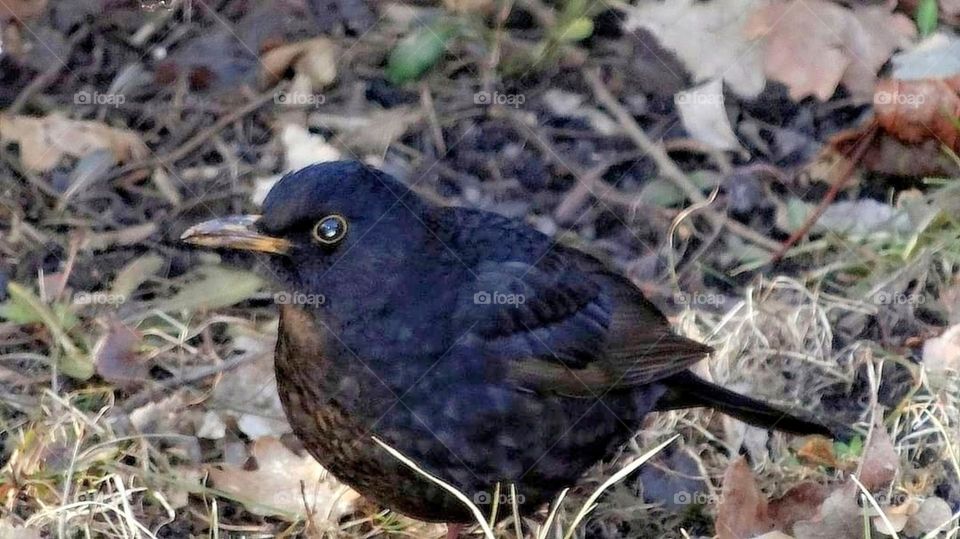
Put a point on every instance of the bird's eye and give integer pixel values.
(330, 230)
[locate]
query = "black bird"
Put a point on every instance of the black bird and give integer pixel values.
(475, 345)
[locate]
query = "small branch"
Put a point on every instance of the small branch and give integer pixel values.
(197, 140)
(668, 168)
(41, 81)
(856, 154)
(164, 387)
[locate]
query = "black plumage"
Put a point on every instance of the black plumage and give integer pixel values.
(475, 345)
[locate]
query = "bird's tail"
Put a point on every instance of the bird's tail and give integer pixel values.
(686, 390)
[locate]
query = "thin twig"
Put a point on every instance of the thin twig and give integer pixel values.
(147, 395)
(856, 154)
(667, 167)
(41, 81)
(197, 140)
(589, 181)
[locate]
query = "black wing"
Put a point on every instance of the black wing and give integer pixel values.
(561, 321)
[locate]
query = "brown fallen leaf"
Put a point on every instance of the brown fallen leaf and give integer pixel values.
(248, 393)
(44, 141)
(315, 58)
(743, 507)
(839, 517)
(887, 155)
(721, 48)
(372, 133)
(796, 504)
(950, 11)
(10, 530)
(880, 462)
(812, 46)
(933, 513)
(914, 111)
(942, 353)
(21, 9)
(170, 415)
(274, 487)
(896, 515)
(819, 451)
(115, 355)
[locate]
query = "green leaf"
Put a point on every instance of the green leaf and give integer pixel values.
(27, 308)
(573, 9)
(927, 17)
(135, 273)
(796, 213)
(851, 450)
(18, 313)
(212, 287)
(418, 52)
(664, 193)
(576, 30)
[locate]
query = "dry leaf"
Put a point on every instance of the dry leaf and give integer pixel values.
(172, 415)
(719, 49)
(21, 9)
(888, 155)
(116, 357)
(914, 111)
(303, 148)
(373, 133)
(943, 353)
(936, 57)
(743, 508)
(812, 46)
(159, 416)
(818, 450)
(897, 516)
(274, 487)
(248, 393)
(9, 530)
(839, 517)
(45, 140)
(880, 461)
(796, 504)
(316, 58)
(932, 513)
(211, 426)
(705, 117)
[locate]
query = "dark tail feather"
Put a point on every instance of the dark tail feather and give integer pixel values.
(686, 390)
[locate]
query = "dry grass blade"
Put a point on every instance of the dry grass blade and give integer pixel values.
(615, 478)
(477, 514)
(552, 515)
(876, 506)
(517, 526)
(587, 507)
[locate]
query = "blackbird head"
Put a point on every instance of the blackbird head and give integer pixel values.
(330, 229)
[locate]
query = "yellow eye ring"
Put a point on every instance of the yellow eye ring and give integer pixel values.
(330, 230)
